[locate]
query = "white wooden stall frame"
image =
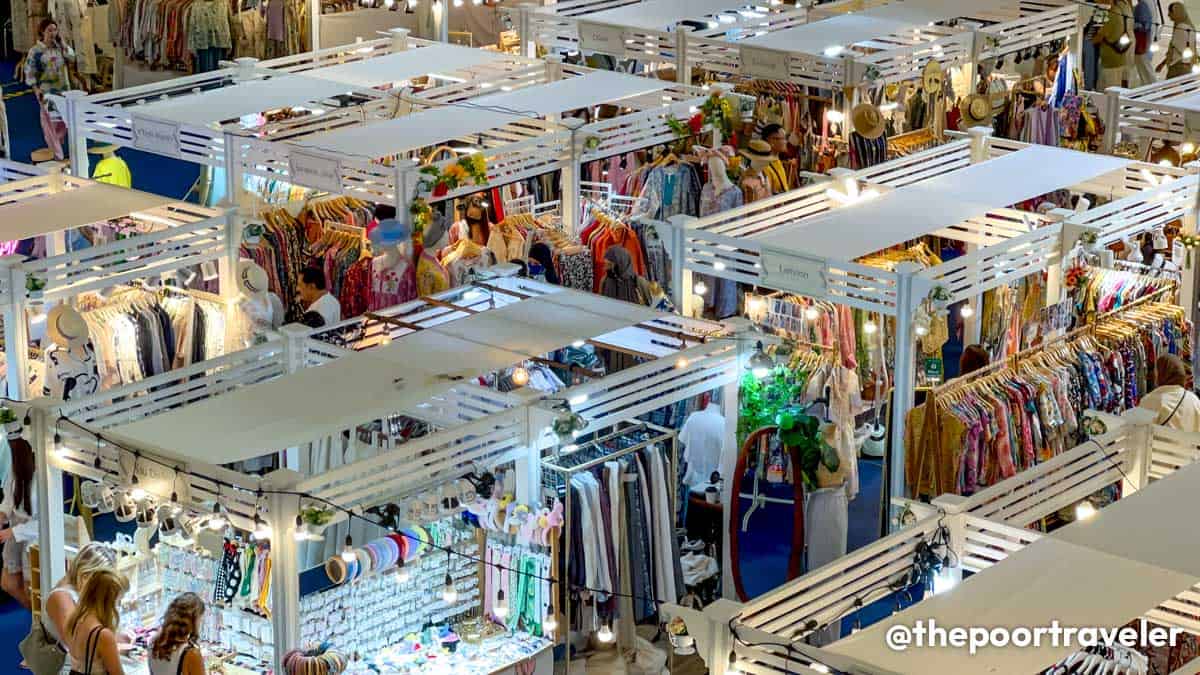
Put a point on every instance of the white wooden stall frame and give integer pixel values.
(570, 27)
(1152, 112)
(479, 427)
(984, 529)
(725, 245)
(187, 235)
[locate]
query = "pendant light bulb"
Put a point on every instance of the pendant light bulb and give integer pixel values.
(812, 314)
(449, 592)
(1125, 40)
(137, 492)
(605, 634)
(301, 532)
(550, 623)
(870, 327)
(348, 550)
(262, 532)
(216, 522)
(700, 288)
(967, 311)
(755, 305)
(1154, 48)
(1188, 53)
(501, 608)
(681, 363)
(578, 344)
(760, 364)
(59, 449)
(402, 575)
(1084, 510)
(1196, 68)
(520, 376)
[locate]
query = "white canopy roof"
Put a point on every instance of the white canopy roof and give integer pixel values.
(354, 389)
(226, 103)
(69, 208)
(657, 14)
(1190, 102)
(943, 201)
(431, 127)
(848, 29)
(437, 58)
(1099, 573)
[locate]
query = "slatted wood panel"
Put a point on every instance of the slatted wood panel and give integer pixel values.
(987, 543)
(1171, 450)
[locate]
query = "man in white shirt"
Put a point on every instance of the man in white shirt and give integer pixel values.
(316, 299)
(703, 438)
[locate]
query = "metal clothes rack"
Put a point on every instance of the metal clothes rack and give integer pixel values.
(558, 470)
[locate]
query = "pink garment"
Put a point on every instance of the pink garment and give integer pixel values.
(846, 337)
(55, 131)
(393, 285)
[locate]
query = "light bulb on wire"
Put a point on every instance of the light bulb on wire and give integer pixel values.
(966, 311)
(1188, 53)
(348, 550)
(402, 575)
(137, 492)
(301, 532)
(681, 363)
(449, 592)
(605, 634)
(262, 531)
(812, 314)
(700, 288)
(520, 376)
(1084, 510)
(550, 623)
(216, 522)
(870, 327)
(1154, 48)
(1124, 40)
(501, 608)
(760, 364)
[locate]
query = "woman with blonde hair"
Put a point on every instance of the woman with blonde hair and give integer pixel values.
(63, 600)
(174, 650)
(92, 628)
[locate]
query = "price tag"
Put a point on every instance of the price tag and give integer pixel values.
(601, 37)
(156, 136)
(793, 273)
(769, 64)
(315, 171)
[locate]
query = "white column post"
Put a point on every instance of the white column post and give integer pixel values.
(683, 67)
(285, 573)
(728, 463)
(528, 466)
(295, 352)
(528, 45)
(399, 39)
(904, 372)
(48, 482)
(1141, 443)
(405, 178)
(571, 175)
(973, 326)
(681, 277)
(978, 42)
(980, 138)
(76, 139)
(1071, 232)
(16, 328)
(314, 25)
(1112, 119)
(441, 14)
(232, 155)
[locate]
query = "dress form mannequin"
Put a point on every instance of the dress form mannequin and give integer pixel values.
(71, 369)
(262, 309)
(719, 194)
(393, 276)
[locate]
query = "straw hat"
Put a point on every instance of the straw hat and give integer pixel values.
(759, 153)
(251, 279)
(64, 326)
(976, 111)
(932, 77)
(867, 121)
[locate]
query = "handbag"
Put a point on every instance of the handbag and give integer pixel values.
(41, 654)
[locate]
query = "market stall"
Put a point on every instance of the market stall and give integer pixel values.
(650, 32)
(425, 373)
(82, 242)
(1163, 113)
(992, 535)
(804, 244)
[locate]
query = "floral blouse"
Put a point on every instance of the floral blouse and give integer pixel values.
(46, 68)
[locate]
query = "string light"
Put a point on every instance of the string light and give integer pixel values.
(756, 304)
(811, 313)
(137, 492)
(501, 608)
(520, 376)
(449, 592)
(760, 364)
(348, 550)
(216, 522)
(578, 344)
(402, 575)
(301, 532)
(966, 311)
(1188, 53)
(870, 327)
(1084, 510)
(550, 623)
(605, 634)
(681, 363)
(262, 531)
(700, 288)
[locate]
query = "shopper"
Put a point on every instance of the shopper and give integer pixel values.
(315, 298)
(540, 254)
(776, 172)
(1181, 52)
(17, 510)
(1115, 38)
(620, 280)
(64, 599)
(46, 73)
(1175, 406)
(973, 358)
(1143, 34)
(92, 628)
(173, 650)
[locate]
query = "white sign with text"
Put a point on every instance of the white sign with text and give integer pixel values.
(156, 136)
(600, 37)
(792, 273)
(769, 64)
(315, 171)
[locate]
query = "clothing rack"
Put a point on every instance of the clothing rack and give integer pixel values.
(557, 473)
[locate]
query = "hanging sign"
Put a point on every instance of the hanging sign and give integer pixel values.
(601, 37)
(793, 273)
(768, 64)
(156, 476)
(318, 172)
(933, 369)
(156, 136)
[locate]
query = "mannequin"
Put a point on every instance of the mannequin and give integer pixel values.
(393, 277)
(263, 309)
(71, 369)
(209, 34)
(719, 194)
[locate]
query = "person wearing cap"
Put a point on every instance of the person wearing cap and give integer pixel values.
(754, 182)
(776, 172)
(316, 299)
